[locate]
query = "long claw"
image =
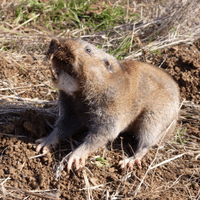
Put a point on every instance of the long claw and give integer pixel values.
(39, 146)
(136, 159)
(78, 158)
(123, 163)
(47, 142)
(138, 162)
(77, 161)
(69, 165)
(46, 149)
(83, 162)
(129, 162)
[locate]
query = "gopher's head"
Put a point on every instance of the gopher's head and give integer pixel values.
(76, 63)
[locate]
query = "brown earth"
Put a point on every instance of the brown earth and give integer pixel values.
(183, 63)
(28, 111)
(25, 174)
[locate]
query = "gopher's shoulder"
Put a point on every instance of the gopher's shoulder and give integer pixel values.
(137, 67)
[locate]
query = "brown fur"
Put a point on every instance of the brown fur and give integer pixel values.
(109, 97)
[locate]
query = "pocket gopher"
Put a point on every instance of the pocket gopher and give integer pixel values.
(108, 97)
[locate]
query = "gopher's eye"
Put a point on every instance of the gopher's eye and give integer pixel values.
(88, 50)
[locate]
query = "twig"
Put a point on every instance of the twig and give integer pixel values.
(95, 187)
(146, 184)
(33, 193)
(161, 63)
(166, 161)
(5, 180)
(123, 156)
(22, 87)
(37, 156)
(154, 46)
(176, 181)
(87, 184)
(198, 194)
(36, 100)
(25, 22)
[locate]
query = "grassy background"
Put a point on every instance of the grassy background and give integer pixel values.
(127, 29)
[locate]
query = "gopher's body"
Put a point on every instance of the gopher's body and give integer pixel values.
(108, 97)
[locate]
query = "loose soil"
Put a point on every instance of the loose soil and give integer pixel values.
(30, 174)
(25, 174)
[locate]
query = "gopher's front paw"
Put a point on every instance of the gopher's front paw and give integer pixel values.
(77, 157)
(47, 143)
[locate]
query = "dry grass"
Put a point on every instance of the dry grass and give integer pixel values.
(160, 26)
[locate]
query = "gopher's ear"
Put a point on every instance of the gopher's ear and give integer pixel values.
(108, 65)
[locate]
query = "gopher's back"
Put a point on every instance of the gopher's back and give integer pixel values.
(154, 99)
(149, 84)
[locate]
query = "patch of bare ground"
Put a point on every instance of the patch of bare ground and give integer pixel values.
(28, 110)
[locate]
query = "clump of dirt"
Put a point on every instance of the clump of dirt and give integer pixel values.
(183, 63)
(27, 174)
(25, 74)
(34, 123)
(24, 172)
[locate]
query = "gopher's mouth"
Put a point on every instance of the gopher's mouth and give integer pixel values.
(62, 58)
(56, 72)
(64, 81)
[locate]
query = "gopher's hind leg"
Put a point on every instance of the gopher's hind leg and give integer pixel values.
(149, 133)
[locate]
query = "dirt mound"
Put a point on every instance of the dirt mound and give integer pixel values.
(183, 63)
(34, 124)
(28, 106)
(27, 174)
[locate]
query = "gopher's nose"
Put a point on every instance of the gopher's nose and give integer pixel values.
(54, 45)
